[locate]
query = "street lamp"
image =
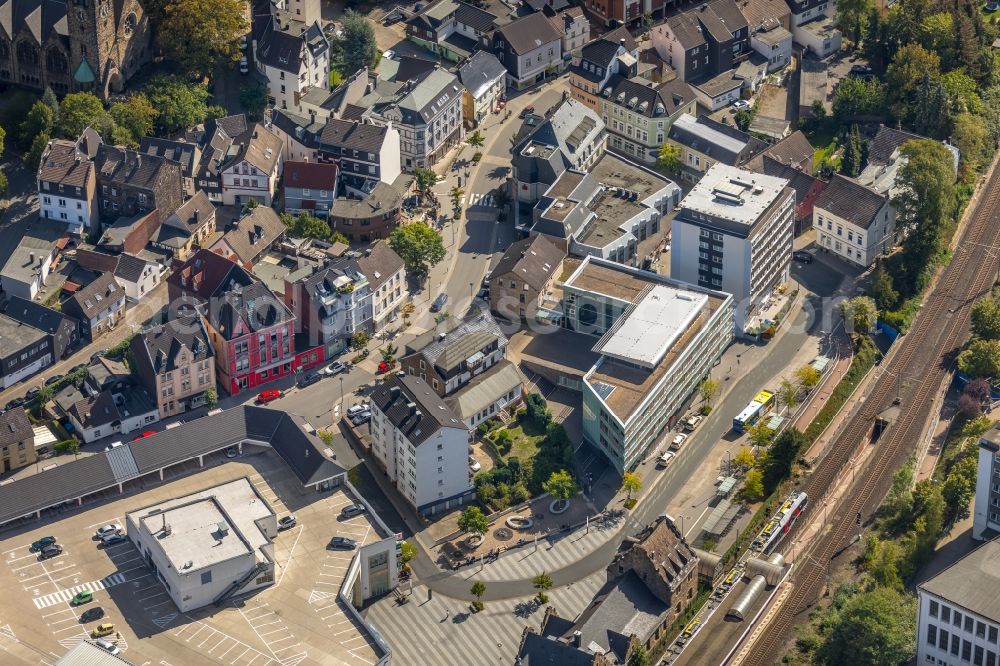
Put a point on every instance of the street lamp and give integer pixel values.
(341, 394)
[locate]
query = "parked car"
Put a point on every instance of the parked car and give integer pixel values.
(53, 379)
(96, 356)
(287, 522)
(143, 435)
(112, 539)
(103, 629)
(678, 442)
(335, 368)
(352, 510)
(802, 256)
(358, 408)
(692, 422)
(361, 418)
(91, 614)
(32, 392)
(42, 543)
(82, 597)
(113, 445)
(740, 105)
(244, 66)
(51, 551)
(267, 396)
(474, 464)
(15, 403)
(527, 111)
(439, 302)
(665, 459)
(109, 529)
(244, 43)
(307, 379)
(107, 646)
(383, 368)
(342, 543)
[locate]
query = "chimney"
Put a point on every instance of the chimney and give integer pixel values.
(393, 394)
(622, 41)
(195, 216)
(577, 638)
(412, 406)
(31, 258)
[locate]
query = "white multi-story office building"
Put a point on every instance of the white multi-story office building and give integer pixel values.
(421, 443)
(657, 339)
(958, 612)
(734, 234)
(209, 545)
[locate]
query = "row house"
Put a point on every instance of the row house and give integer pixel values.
(386, 274)
(530, 48)
(32, 256)
(25, 351)
(451, 29)
(136, 276)
(67, 186)
(130, 183)
(366, 154)
(293, 58)
(185, 153)
(611, 54)
(252, 172)
(251, 236)
(189, 227)
(703, 142)
(704, 41)
(331, 304)
(310, 187)
(485, 83)
(574, 27)
(17, 440)
(176, 363)
(63, 330)
(98, 306)
(526, 272)
(639, 115)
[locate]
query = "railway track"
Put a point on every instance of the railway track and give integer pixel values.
(925, 352)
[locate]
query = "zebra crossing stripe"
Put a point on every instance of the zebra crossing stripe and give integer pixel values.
(162, 622)
(7, 632)
(67, 594)
(477, 199)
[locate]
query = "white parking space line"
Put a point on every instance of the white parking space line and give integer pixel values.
(26, 566)
(115, 519)
(23, 557)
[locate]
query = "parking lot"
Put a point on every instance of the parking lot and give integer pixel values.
(297, 620)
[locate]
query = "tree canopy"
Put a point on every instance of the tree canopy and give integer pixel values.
(198, 34)
(180, 104)
(135, 115)
(860, 313)
(473, 520)
(79, 111)
(561, 485)
(981, 359)
(877, 628)
(356, 46)
(418, 245)
(986, 319)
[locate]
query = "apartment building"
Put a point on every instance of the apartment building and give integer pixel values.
(639, 115)
(854, 222)
(703, 143)
(175, 363)
(703, 41)
(98, 306)
(986, 511)
(310, 187)
(485, 82)
(131, 184)
(366, 154)
(525, 272)
(386, 274)
(67, 186)
(293, 57)
(530, 48)
(17, 440)
(421, 443)
(733, 233)
(450, 28)
(614, 53)
(331, 304)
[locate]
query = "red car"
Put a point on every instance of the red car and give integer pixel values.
(383, 368)
(145, 434)
(268, 396)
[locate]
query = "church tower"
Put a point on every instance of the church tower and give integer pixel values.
(109, 42)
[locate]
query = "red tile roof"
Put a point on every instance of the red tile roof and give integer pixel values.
(313, 175)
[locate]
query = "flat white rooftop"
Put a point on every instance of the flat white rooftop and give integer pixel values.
(733, 194)
(205, 528)
(647, 332)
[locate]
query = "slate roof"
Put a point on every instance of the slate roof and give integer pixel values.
(159, 347)
(479, 71)
(383, 199)
(259, 146)
(793, 149)
(40, 17)
(95, 411)
(421, 99)
(206, 274)
(254, 304)
(628, 607)
(15, 427)
(404, 67)
(62, 163)
(721, 142)
(601, 52)
(646, 100)
(972, 582)
(125, 166)
(686, 30)
(539, 650)
(428, 414)
(463, 341)
(95, 297)
(303, 452)
(529, 32)
(312, 175)
(757, 12)
(302, 129)
(848, 199)
(191, 215)
(478, 19)
(280, 50)
(554, 5)
(34, 314)
(532, 260)
(130, 267)
(885, 143)
(353, 135)
(188, 155)
(484, 389)
(798, 180)
(380, 264)
(254, 233)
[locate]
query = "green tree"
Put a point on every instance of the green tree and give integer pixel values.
(986, 319)
(743, 118)
(305, 225)
(884, 568)
(360, 340)
(356, 45)
(631, 483)
(426, 179)
(253, 100)
(389, 354)
(647, 20)
(991, 110)
(973, 140)
(561, 486)
(852, 161)
(475, 139)
(781, 456)
(788, 393)
(981, 359)
(38, 121)
(136, 115)
(907, 71)
(456, 198)
(407, 551)
(67, 447)
(857, 97)
(760, 435)
(853, 16)
(473, 520)
(744, 459)
(337, 237)
(50, 100)
(198, 34)
(34, 156)
(638, 657)
(542, 583)
(668, 159)
(709, 390)
(937, 35)
(418, 245)
(807, 376)
(959, 488)
(931, 110)
(860, 313)
(478, 589)
(753, 485)
(78, 111)
(882, 291)
(211, 397)
(963, 90)
(180, 104)
(877, 628)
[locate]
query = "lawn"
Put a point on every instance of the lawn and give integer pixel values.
(526, 438)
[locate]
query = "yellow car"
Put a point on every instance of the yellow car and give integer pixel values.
(102, 630)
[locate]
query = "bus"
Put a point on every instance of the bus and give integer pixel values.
(762, 403)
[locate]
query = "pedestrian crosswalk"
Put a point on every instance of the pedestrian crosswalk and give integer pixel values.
(69, 593)
(549, 556)
(478, 199)
(443, 632)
